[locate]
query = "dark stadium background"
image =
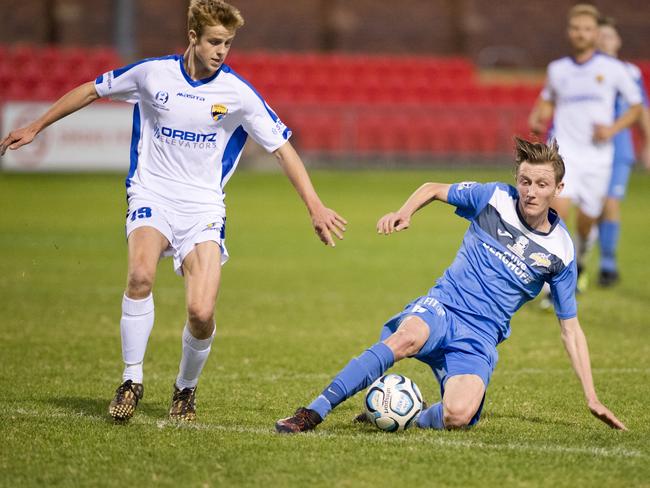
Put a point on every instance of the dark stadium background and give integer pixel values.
(358, 81)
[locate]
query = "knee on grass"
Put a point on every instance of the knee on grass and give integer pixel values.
(457, 415)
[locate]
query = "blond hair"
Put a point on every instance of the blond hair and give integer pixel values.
(584, 9)
(539, 153)
(208, 13)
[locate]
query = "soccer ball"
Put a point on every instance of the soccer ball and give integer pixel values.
(393, 402)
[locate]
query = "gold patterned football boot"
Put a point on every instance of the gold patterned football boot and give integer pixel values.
(127, 396)
(183, 405)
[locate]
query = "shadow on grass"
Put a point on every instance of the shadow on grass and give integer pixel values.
(525, 418)
(98, 407)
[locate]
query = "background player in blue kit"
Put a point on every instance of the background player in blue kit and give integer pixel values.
(192, 115)
(515, 243)
(609, 42)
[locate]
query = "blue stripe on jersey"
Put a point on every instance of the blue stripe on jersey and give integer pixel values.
(200, 82)
(232, 152)
(135, 141)
(120, 71)
(99, 79)
(272, 114)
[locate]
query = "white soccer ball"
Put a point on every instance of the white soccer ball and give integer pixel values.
(393, 402)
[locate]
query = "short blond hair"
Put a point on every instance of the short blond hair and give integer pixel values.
(584, 9)
(209, 13)
(539, 153)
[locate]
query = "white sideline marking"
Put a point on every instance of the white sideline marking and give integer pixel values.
(378, 439)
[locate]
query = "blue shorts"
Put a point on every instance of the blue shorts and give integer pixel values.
(452, 348)
(620, 177)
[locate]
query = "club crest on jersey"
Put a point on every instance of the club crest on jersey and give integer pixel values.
(600, 78)
(219, 111)
(519, 247)
(540, 259)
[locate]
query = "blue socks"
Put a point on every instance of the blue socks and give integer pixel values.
(431, 418)
(359, 373)
(608, 232)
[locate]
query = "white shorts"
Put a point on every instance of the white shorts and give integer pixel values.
(586, 185)
(182, 231)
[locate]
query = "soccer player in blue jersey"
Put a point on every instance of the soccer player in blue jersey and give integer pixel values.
(609, 226)
(515, 243)
(192, 115)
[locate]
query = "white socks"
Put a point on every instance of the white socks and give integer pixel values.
(135, 326)
(195, 354)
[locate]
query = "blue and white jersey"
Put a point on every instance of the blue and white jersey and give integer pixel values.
(623, 142)
(583, 95)
(188, 135)
(502, 262)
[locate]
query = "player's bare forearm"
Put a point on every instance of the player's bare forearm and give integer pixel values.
(424, 195)
(401, 220)
(576, 347)
(644, 127)
(540, 116)
(70, 102)
(325, 221)
(629, 118)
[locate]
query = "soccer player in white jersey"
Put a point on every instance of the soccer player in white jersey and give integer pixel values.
(515, 243)
(579, 95)
(609, 227)
(192, 114)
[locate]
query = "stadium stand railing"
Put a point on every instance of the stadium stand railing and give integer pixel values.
(337, 104)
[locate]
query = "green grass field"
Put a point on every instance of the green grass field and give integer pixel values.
(290, 314)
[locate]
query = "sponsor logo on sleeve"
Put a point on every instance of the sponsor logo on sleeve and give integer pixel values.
(464, 185)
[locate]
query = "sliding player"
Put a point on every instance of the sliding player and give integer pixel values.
(192, 115)
(579, 94)
(514, 244)
(609, 227)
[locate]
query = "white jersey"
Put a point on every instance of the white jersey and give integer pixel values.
(188, 135)
(584, 95)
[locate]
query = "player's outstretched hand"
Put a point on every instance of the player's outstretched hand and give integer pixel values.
(17, 138)
(603, 413)
(327, 222)
(393, 222)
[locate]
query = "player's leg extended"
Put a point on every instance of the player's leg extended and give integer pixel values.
(584, 237)
(145, 245)
(202, 271)
(609, 230)
(359, 373)
(462, 399)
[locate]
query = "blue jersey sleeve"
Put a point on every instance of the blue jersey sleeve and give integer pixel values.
(470, 197)
(563, 291)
